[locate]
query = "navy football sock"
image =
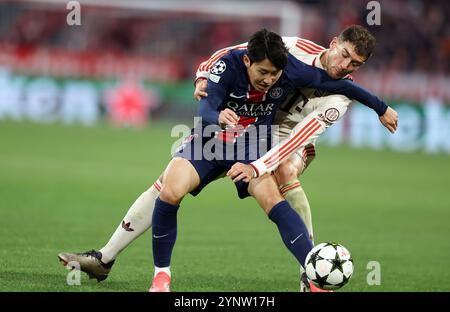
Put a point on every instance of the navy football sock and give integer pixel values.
(292, 229)
(164, 232)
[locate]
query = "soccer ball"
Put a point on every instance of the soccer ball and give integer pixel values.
(329, 266)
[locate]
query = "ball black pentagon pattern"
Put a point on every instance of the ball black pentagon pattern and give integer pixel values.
(337, 263)
(314, 257)
(321, 281)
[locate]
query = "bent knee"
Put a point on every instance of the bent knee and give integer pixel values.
(171, 195)
(286, 172)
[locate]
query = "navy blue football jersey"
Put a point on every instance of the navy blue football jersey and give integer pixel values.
(229, 87)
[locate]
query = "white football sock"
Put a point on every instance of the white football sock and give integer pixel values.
(165, 269)
(295, 195)
(137, 220)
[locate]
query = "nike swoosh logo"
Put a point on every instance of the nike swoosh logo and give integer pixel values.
(293, 241)
(160, 236)
(237, 96)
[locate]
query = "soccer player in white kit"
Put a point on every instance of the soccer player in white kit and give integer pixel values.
(301, 120)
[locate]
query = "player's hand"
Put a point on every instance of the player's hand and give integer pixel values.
(200, 89)
(241, 171)
(390, 119)
(228, 117)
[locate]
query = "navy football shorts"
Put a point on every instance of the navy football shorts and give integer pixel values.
(211, 158)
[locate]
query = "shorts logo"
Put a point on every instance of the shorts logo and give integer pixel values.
(332, 114)
(276, 93)
(218, 68)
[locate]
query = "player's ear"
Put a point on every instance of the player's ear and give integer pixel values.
(246, 60)
(334, 42)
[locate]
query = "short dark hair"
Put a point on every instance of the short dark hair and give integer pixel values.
(361, 38)
(266, 44)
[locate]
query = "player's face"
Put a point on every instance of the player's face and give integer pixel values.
(342, 59)
(262, 75)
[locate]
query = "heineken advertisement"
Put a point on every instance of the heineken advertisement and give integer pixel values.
(423, 126)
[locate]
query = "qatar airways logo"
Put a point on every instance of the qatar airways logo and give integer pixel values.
(251, 109)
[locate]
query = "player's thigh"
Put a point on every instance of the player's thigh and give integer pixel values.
(289, 170)
(265, 190)
(180, 178)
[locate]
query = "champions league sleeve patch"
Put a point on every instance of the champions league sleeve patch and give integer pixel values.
(218, 68)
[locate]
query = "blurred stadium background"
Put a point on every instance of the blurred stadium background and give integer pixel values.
(86, 113)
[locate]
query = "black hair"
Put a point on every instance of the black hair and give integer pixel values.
(266, 44)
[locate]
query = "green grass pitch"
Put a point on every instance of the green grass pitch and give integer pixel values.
(67, 188)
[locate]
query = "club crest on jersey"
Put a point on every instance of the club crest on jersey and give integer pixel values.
(275, 93)
(218, 68)
(332, 114)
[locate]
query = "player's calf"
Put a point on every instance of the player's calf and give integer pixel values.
(287, 177)
(292, 229)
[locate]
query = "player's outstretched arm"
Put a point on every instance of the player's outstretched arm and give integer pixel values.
(390, 119)
(301, 135)
(304, 75)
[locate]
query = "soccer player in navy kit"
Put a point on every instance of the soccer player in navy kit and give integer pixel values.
(251, 83)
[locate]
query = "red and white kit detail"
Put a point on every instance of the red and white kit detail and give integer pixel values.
(300, 125)
(323, 112)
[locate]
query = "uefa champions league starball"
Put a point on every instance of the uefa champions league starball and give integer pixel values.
(329, 266)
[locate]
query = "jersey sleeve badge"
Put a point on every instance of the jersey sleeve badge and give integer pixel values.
(218, 68)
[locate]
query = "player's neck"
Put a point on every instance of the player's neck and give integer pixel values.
(324, 59)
